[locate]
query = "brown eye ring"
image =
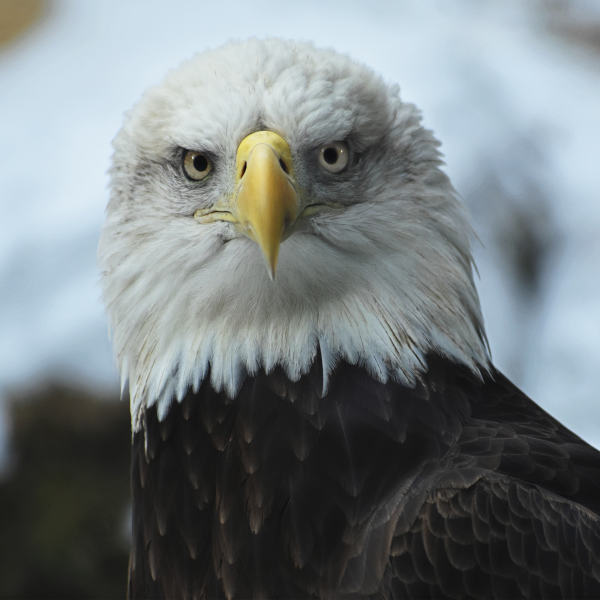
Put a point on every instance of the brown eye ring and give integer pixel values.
(196, 165)
(334, 157)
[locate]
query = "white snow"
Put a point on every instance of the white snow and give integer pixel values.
(515, 107)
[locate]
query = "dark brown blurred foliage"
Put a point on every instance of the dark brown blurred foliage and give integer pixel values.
(64, 503)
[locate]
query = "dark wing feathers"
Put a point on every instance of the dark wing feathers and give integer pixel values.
(467, 543)
(526, 443)
(455, 488)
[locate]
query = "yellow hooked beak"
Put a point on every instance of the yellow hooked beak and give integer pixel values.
(265, 203)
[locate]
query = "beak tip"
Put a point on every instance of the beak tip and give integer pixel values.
(271, 262)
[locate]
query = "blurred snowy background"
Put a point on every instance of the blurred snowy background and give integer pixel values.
(512, 89)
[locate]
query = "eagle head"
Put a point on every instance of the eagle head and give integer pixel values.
(272, 203)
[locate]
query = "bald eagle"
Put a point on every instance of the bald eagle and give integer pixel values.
(288, 275)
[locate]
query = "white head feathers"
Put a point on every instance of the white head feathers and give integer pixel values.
(378, 282)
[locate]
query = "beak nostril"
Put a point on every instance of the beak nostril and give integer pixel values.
(243, 169)
(283, 166)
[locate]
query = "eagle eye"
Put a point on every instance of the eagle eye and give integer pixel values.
(196, 165)
(334, 157)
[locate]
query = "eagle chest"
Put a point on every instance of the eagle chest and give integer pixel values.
(272, 492)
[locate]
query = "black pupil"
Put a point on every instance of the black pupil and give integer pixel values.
(330, 155)
(200, 162)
